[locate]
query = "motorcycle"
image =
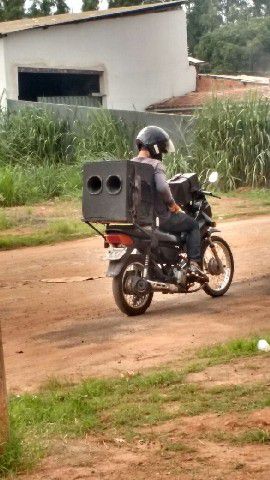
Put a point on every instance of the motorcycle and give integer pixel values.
(145, 260)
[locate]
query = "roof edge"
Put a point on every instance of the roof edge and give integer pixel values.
(102, 15)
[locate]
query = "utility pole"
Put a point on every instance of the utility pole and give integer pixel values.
(4, 429)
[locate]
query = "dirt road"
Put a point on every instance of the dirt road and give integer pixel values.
(75, 330)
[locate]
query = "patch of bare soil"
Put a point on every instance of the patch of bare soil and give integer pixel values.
(241, 371)
(180, 450)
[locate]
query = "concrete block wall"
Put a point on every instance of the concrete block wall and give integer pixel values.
(179, 127)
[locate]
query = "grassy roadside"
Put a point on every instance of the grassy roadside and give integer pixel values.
(122, 407)
(59, 220)
(42, 224)
(56, 231)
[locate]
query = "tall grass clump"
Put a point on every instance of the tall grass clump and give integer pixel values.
(35, 136)
(21, 185)
(104, 137)
(41, 156)
(233, 138)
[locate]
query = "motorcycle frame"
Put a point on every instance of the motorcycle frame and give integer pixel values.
(115, 266)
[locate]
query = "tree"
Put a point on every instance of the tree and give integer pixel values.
(232, 10)
(41, 8)
(243, 46)
(129, 3)
(11, 9)
(89, 5)
(260, 8)
(203, 16)
(61, 7)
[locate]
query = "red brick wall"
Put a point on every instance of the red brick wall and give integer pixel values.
(217, 84)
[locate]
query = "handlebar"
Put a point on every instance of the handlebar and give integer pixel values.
(210, 194)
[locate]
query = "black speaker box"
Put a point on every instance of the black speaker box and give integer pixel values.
(118, 191)
(183, 186)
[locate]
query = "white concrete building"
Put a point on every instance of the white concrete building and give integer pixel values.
(126, 58)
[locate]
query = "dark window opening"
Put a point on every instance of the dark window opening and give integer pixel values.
(35, 85)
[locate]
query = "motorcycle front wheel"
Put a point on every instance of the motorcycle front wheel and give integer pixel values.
(219, 282)
(128, 303)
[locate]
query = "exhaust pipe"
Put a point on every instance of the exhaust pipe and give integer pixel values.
(163, 287)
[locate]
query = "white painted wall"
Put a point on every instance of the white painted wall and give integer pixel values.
(144, 57)
(2, 73)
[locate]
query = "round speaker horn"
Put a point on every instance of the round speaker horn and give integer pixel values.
(114, 184)
(94, 185)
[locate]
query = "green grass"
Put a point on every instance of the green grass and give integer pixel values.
(232, 349)
(255, 435)
(122, 406)
(21, 453)
(260, 196)
(250, 436)
(35, 136)
(5, 221)
(56, 231)
(22, 185)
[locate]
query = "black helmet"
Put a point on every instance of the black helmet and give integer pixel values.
(156, 140)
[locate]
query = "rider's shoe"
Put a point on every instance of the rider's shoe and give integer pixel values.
(196, 271)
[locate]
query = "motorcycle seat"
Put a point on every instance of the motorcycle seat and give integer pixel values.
(160, 235)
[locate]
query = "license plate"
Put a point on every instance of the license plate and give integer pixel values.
(115, 253)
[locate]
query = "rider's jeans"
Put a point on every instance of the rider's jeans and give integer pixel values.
(180, 222)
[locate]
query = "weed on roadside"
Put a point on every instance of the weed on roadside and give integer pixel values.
(250, 436)
(5, 221)
(21, 453)
(233, 349)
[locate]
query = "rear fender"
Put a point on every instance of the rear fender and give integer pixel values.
(212, 230)
(115, 266)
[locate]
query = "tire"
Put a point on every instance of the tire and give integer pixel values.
(210, 290)
(120, 296)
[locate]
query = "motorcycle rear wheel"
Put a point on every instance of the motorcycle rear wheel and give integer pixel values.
(129, 304)
(218, 284)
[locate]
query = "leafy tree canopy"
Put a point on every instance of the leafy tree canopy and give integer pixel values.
(40, 8)
(238, 47)
(204, 16)
(129, 3)
(89, 5)
(11, 9)
(61, 6)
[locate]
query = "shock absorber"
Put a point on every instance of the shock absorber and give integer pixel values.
(146, 265)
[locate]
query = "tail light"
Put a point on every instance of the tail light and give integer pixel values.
(119, 239)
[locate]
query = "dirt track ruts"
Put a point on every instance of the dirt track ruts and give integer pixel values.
(75, 330)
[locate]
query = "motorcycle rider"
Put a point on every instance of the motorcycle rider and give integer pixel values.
(153, 142)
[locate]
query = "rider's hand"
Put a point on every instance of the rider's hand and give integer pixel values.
(174, 208)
